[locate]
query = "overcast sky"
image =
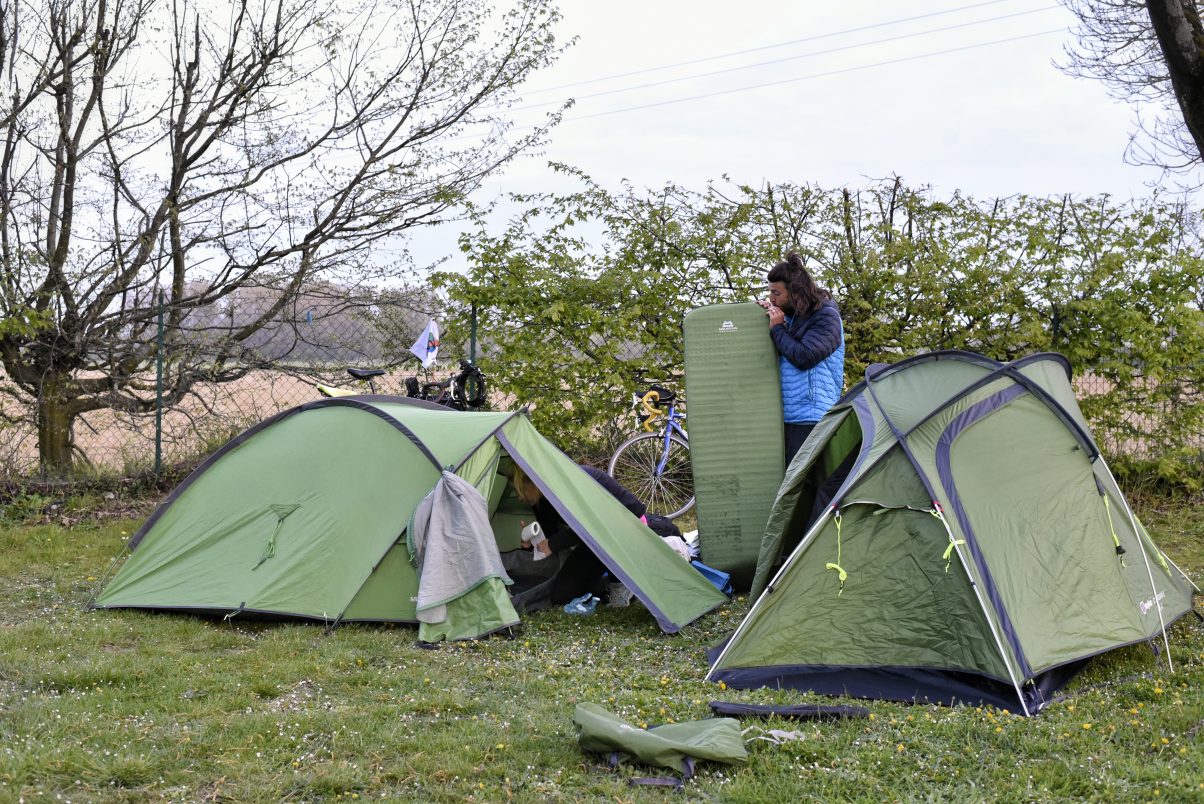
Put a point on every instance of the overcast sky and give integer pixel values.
(856, 90)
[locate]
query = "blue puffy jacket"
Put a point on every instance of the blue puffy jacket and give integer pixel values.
(811, 350)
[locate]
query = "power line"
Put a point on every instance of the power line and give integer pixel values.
(819, 75)
(797, 79)
(813, 38)
(793, 58)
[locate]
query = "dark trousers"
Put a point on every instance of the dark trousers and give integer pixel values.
(796, 434)
(832, 483)
(582, 572)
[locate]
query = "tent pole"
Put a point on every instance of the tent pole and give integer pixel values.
(936, 511)
(807, 539)
(1148, 571)
(802, 545)
(901, 439)
(1150, 540)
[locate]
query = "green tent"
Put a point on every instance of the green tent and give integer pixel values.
(950, 532)
(304, 516)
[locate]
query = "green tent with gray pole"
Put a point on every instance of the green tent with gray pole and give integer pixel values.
(305, 516)
(950, 533)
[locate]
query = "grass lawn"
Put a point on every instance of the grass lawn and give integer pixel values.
(122, 706)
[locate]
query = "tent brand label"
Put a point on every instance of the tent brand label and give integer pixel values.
(1148, 603)
(728, 326)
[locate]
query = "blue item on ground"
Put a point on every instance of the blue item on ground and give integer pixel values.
(586, 604)
(721, 579)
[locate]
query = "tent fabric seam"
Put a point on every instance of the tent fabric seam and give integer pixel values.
(1010, 371)
(966, 357)
(831, 667)
(492, 434)
(351, 402)
(885, 370)
(175, 494)
(865, 418)
(955, 428)
(901, 440)
(243, 437)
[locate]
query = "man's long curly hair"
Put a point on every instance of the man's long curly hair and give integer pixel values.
(805, 295)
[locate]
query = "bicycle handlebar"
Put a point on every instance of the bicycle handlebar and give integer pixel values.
(652, 404)
(648, 400)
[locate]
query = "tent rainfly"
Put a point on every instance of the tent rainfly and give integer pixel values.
(305, 516)
(950, 533)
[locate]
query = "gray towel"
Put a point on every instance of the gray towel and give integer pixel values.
(453, 545)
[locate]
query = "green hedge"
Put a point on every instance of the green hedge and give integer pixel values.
(580, 298)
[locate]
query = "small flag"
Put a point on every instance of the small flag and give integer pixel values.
(427, 345)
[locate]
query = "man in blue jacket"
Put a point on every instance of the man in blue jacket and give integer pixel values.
(807, 331)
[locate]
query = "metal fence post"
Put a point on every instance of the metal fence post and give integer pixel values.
(159, 393)
(472, 337)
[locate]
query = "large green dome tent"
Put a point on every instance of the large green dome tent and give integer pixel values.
(950, 533)
(305, 515)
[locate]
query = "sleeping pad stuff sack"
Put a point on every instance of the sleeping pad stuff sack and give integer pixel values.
(674, 745)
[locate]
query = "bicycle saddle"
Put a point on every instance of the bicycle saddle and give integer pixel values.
(666, 396)
(363, 374)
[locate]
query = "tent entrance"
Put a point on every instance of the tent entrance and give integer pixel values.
(827, 473)
(533, 579)
(394, 583)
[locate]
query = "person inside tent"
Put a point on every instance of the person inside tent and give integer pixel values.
(808, 334)
(582, 571)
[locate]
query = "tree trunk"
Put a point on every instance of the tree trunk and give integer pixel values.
(55, 418)
(1181, 38)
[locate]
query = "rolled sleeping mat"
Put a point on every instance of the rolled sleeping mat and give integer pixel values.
(737, 445)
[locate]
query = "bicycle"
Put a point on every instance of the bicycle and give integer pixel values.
(655, 465)
(465, 390)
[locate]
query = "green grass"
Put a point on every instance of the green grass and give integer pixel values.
(124, 706)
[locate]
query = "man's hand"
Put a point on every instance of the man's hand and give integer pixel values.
(776, 316)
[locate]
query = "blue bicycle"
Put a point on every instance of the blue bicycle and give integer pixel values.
(655, 465)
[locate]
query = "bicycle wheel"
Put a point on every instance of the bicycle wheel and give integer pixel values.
(469, 389)
(669, 493)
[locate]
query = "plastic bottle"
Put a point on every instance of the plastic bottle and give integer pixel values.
(586, 604)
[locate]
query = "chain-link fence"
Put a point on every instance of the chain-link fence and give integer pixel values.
(125, 444)
(113, 441)
(180, 382)
(1151, 426)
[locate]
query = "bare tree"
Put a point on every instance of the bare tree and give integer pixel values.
(1148, 51)
(191, 151)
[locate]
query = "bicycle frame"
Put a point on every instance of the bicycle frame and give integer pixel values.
(643, 459)
(671, 426)
(455, 392)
